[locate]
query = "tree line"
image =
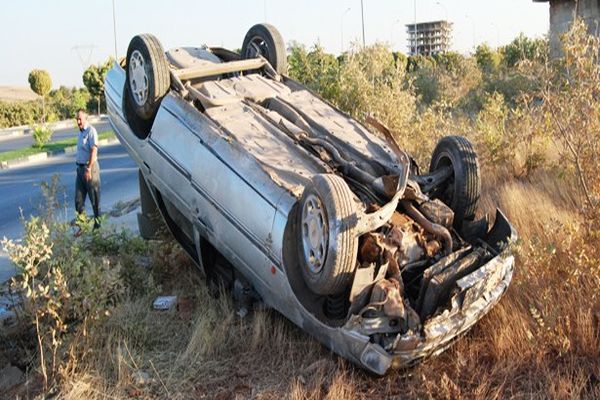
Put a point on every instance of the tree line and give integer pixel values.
(57, 104)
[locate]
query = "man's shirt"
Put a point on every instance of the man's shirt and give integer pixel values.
(87, 139)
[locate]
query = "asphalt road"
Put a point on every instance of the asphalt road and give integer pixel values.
(27, 140)
(20, 192)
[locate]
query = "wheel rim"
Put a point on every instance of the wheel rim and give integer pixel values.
(257, 47)
(315, 234)
(138, 78)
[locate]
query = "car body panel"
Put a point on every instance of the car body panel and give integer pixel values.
(219, 170)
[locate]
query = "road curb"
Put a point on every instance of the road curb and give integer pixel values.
(19, 162)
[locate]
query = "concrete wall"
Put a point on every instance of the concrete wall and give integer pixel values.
(562, 13)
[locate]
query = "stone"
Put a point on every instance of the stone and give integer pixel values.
(8, 321)
(141, 378)
(10, 376)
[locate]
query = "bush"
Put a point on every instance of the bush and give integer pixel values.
(21, 113)
(64, 102)
(487, 58)
(571, 105)
(524, 48)
(71, 286)
(61, 104)
(315, 68)
(446, 81)
(41, 135)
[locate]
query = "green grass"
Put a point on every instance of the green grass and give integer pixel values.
(54, 146)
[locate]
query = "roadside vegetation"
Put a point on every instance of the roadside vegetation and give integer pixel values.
(48, 147)
(58, 104)
(536, 126)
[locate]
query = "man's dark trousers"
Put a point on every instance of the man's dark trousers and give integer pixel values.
(90, 188)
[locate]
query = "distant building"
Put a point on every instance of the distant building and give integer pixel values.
(562, 14)
(429, 38)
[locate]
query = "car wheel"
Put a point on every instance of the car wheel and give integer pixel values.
(462, 190)
(147, 82)
(328, 243)
(264, 40)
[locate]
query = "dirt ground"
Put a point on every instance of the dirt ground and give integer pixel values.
(16, 93)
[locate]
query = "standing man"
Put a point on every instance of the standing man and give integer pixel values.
(88, 170)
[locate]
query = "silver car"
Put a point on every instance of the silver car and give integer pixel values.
(288, 201)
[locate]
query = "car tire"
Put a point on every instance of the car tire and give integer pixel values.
(266, 41)
(147, 82)
(328, 244)
(463, 189)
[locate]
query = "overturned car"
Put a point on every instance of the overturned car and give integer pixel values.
(287, 200)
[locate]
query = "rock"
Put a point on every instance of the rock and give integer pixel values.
(141, 378)
(8, 321)
(10, 376)
(186, 306)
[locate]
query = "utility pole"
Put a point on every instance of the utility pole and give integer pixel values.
(416, 45)
(115, 30)
(362, 13)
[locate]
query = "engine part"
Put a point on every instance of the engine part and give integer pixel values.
(387, 311)
(435, 229)
(437, 212)
(438, 289)
(435, 269)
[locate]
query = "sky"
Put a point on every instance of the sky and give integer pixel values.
(65, 36)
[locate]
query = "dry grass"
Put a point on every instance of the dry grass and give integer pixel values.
(541, 341)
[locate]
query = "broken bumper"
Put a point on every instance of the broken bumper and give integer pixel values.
(473, 296)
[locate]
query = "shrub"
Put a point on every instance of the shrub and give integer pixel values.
(316, 69)
(447, 80)
(21, 113)
(572, 109)
(487, 58)
(64, 102)
(420, 61)
(41, 135)
(491, 124)
(71, 286)
(371, 82)
(524, 48)
(60, 104)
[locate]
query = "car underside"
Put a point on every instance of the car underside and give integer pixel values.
(380, 262)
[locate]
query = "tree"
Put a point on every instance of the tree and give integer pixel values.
(65, 102)
(524, 48)
(93, 79)
(41, 83)
(487, 59)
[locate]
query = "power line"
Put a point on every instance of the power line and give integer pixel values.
(81, 49)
